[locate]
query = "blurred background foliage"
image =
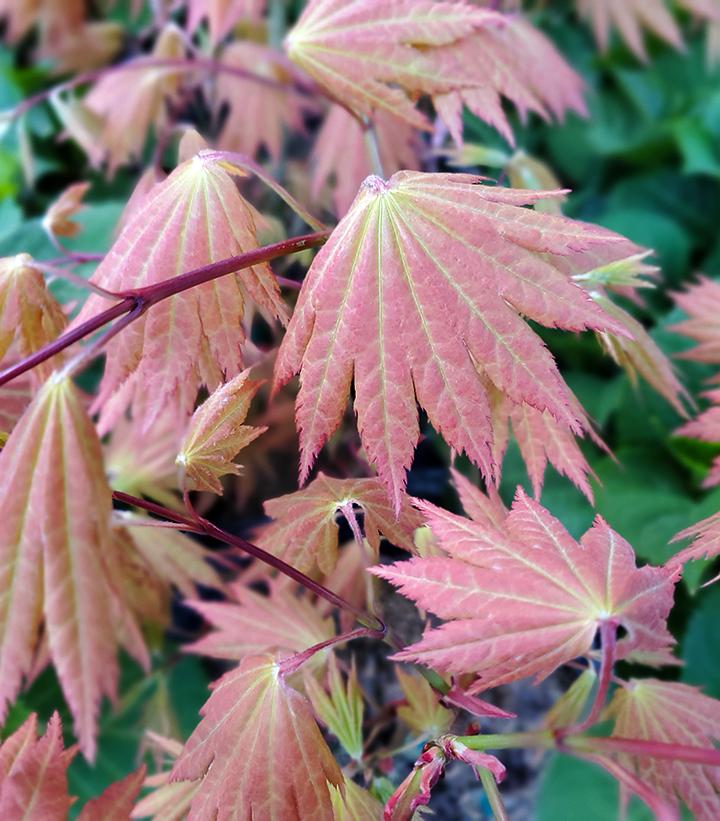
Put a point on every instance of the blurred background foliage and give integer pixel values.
(646, 163)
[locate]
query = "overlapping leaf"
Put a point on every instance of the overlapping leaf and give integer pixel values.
(216, 434)
(58, 571)
(374, 307)
(222, 15)
(350, 802)
(33, 773)
(381, 55)
(630, 17)
(258, 751)
(340, 153)
(30, 317)
(260, 113)
(305, 530)
(194, 217)
(672, 713)
(116, 802)
(523, 599)
(251, 623)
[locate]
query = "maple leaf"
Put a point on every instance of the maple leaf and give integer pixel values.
(706, 544)
(55, 18)
(340, 153)
(701, 302)
(58, 566)
(305, 530)
(527, 598)
(222, 15)
(251, 623)
(374, 306)
(259, 113)
(30, 316)
(89, 46)
(423, 713)
(350, 802)
(630, 17)
(258, 750)
(194, 217)
(116, 802)
(58, 220)
(33, 772)
(382, 55)
(216, 434)
(672, 713)
(142, 94)
(169, 800)
(15, 396)
(707, 428)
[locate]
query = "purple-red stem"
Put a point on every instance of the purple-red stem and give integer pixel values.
(139, 300)
(641, 747)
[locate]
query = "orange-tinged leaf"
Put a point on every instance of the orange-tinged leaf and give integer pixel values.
(251, 623)
(672, 713)
(33, 773)
(260, 113)
(258, 750)
(341, 153)
(116, 802)
(130, 102)
(527, 598)
(222, 15)
(374, 308)
(58, 220)
(57, 567)
(305, 530)
(630, 17)
(30, 317)
(194, 217)
(216, 434)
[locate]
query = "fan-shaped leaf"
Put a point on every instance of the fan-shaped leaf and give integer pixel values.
(305, 530)
(258, 750)
(194, 217)
(216, 434)
(672, 713)
(375, 304)
(524, 599)
(57, 561)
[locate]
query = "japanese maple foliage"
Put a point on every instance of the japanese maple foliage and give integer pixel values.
(150, 513)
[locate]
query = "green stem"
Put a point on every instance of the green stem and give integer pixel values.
(543, 739)
(492, 792)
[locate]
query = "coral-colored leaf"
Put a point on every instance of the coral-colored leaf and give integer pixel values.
(250, 624)
(193, 218)
(374, 307)
(706, 544)
(57, 566)
(222, 15)
(672, 713)
(131, 101)
(15, 396)
(305, 530)
(258, 750)
(33, 773)
(340, 153)
(630, 17)
(30, 317)
(524, 599)
(381, 55)
(116, 802)
(260, 113)
(216, 434)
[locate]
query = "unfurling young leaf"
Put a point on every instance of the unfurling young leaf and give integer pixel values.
(423, 712)
(524, 599)
(258, 750)
(671, 713)
(58, 220)
(58, 569)
(30, 317)
(305, 530)
(195, 217)
(374, 307)
(341, 710)
(216, 434)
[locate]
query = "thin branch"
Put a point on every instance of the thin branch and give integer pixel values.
(139, 300)
(373, 147)
(493, 795)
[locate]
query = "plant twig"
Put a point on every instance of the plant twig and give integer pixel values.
(139, 300)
